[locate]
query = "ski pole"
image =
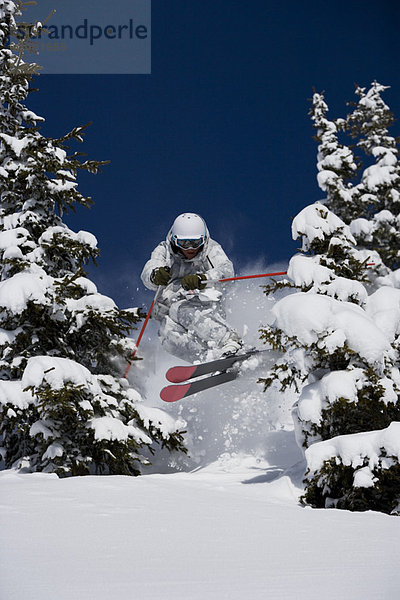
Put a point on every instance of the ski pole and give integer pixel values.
(245, 277)
(255, 276)
(128, 366)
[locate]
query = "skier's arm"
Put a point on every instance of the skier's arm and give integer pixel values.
(220, 265)
(159, 258)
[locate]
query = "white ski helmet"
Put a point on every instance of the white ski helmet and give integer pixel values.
(189, 231)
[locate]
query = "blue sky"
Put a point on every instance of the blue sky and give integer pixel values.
(220, 127)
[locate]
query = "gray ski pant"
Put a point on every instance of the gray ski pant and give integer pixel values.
(193, 327)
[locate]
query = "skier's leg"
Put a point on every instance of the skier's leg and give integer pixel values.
(176, 340)
(205, 322)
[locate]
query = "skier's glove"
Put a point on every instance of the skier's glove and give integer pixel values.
(192, 282)
(160, 276)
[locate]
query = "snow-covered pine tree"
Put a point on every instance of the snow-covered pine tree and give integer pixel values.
(366, 199)
(336, 164)
(377, 227)
(64, 407)
(328, 266)
(337, 351)
(340, 350)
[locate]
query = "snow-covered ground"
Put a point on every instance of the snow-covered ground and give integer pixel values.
(231, 530)
(224, 522)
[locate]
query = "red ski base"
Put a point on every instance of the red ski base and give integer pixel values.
(179, 374)
(173, 393)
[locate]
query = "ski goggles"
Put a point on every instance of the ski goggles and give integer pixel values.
(192, 244)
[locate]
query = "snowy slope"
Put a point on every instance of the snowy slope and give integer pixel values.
(215, 534)
(224, 522)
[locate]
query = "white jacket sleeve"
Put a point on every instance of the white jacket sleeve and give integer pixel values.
(159, 258)
(220, 265)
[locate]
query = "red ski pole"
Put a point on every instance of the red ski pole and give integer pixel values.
(255, 276)
(245, 277)
(128, 366)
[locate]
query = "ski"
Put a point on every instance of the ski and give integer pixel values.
(173, 393)
(185, 373)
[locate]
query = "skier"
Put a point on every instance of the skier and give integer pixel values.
(191, 313)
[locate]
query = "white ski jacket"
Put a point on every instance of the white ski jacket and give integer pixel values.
(211, 260)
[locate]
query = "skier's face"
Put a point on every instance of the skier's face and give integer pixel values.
(190, 252)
